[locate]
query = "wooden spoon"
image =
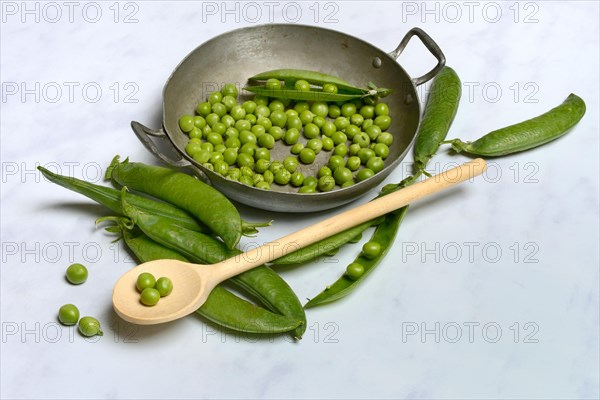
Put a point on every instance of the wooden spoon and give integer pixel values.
(192, 283)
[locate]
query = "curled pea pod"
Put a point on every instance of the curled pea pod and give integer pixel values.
(111, 198)
(384, 235)
(527, 134)
(222, 306)
(261, 282)
(197, 198)
(326, 246)
(440, 109)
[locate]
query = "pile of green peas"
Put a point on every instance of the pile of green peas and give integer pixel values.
(152, 289)
(235, 140)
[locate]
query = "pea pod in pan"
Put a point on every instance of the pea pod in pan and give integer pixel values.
(527, 134)
(290, 76)
(440, 109)
(222, 306)
(202, 201)
(289, 92)
(261, 282)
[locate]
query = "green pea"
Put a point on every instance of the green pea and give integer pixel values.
(229, 102)
(336, 162)
(328, 128)
(192, 148)
(196, 140)
(318, 121)
(204, 108)
(269, 176)
(302, 85)
(294, 123)
(381, 150)
(330, 88)
(195, 133)
(261, 100)
(68, 314)
(311, 181)
(290, 163)
(326, 183)
(301, 106)
(307, 155)
(307, 189)
(354, 271)
(209, 166)
(202, 156)
(339, 137)
(278, 118)
(383, 121)
(262, 153)
(89, 326)
(297, 179)
(352, 130)
(382, 109)
(341, 123)
(367, 111)
(365, 155)
(324, 171)
(275, 166)
(251, 118)
(261, 165)
(247, 180)
(263, 185)
(364, 174)
(315, 144)
(233, 143)
(234, 174)
(214, 138)
(249, 106)
(347, 183)
(228, 121)
(291, 136)
(264, 122)
(77, 274)
(320, 108)
(291, 113)
(276, 132)
(232, 132)
(247, 137)
(208, 147)
(221, 167)
(385, 138)
(371, 250)
(145, 280)
(373, 131)
(229, 89)
(186, 123)
(220, 148)
(375, 164)
(238, 113)
(297, 148)
(348, 109)
(262, 111)
(342, 175)
(247, 171)
(244, 159)
(353, 163)
(248, 148)
(266, 140)
(273, 83)
(282, 177)
(215, 97)
(366, 123)
(258, 129)
(215, 156)
(311, 131)
(327, 143)
(361, 139)
(212, 119)
(306, 117)
(220, 109)
(334, 111)
(199, 122)
(276, 105)
(340, 150)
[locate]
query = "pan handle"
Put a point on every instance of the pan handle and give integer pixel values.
(144, 133)
(431, 46)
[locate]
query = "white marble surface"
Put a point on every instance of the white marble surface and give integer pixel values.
(528, 316)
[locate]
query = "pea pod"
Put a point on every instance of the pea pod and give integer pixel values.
(384, 234)
(291, 93)
(199, 199)
(527, 134)
(111, 198)
(222, 306)
(440, 109)
(289, 76)
(262, 282)
(326, 246)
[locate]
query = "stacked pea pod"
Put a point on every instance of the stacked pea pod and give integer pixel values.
(183, 221)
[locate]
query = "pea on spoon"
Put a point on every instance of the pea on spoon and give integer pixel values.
(192, 283)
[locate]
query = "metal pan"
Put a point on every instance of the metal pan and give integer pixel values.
(238, 54)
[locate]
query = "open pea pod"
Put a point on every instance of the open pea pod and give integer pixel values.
(290, 76)
(384, 234)
(287, 92)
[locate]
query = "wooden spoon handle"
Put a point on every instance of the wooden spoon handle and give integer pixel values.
(347, 220)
